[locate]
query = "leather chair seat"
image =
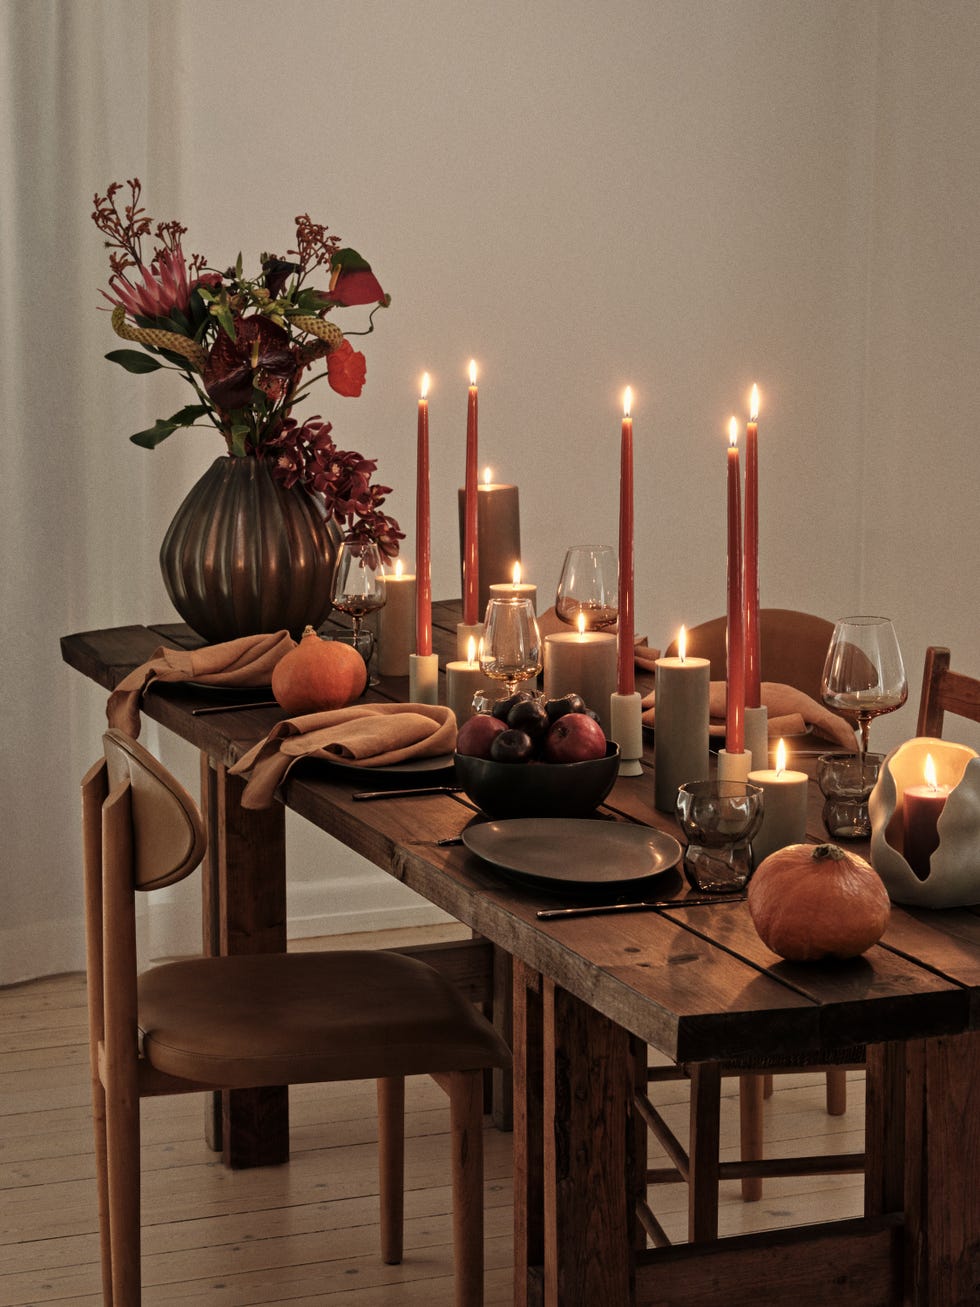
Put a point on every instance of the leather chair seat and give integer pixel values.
(387, 1015)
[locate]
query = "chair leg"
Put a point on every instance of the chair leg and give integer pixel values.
(702, 1195)
(465, 1089)
(836, 1091)
(751, 1094)
(123, 1171)
(102, 1183)
(391, 1166)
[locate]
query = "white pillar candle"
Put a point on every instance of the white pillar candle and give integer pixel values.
(582, 663)
(680, 735)
(423, 678)
(757, 736)
(515, 589)
(784, 801)
(464, 678)
(396, 623)
(498, 533)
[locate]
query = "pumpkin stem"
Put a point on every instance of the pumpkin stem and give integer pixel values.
(833, 851)
(308, 630)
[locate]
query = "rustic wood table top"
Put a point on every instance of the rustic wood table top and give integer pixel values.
(698, 984)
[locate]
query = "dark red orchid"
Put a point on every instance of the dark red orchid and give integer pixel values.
(346, 369)
(259, 358)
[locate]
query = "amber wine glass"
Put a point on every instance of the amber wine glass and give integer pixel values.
(863, 675)
(510, 650)
(589, 587)
(359, 582)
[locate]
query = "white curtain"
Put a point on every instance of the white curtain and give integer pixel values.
(682, 195)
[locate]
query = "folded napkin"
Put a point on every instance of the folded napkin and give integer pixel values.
(549, 623)
(247, 661)
(365, 735)
(789, 712)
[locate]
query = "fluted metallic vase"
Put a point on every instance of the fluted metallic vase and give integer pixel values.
(244, 556)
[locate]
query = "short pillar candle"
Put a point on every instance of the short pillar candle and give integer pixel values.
(784, 805)
(680, 736)
(396, 623)
(582, 662)
(464, 679)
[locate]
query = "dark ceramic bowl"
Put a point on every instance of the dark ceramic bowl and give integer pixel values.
(537, 789)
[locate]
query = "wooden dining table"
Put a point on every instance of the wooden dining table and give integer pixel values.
(583, 998)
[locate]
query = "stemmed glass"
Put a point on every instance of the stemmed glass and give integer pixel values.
(589, 584)
(510, 650)
(863, 675)
(359, 589)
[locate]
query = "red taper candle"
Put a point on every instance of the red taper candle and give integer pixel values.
(625, 674)
(735, 700)
(423, 580)
(471, 559)
(753, 653)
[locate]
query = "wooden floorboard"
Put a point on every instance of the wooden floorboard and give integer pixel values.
(306, 1233)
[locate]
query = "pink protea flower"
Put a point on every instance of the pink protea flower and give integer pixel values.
(165, 286)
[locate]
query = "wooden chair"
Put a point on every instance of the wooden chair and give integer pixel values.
(944, 691)
(250, 1021)
(792, 646)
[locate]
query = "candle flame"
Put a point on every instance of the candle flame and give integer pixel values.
(581, 622)
(780, 757)
(471, 650)
(733, 431)
(399, 567)
(682, 644)
(627, 401)
(754, 405)
(487, 478)
(472, 372)
(479, 652)
(930, 773)
(425, 385)
(517, 574)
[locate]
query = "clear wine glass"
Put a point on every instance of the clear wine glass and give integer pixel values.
(510, 650)
(863, 675)
(358, 583)
(589, 584)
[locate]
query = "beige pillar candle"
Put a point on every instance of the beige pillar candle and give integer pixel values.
(423, 678)
(784, 802)
(498, 533)
(396, 623)
(464, 678)
(582, 663)
(680, 734)
(515, 589)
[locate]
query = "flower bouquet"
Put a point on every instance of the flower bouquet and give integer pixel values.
(250, 349)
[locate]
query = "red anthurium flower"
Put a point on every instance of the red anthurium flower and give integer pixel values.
(346, 369)
(260, 357)
(358, 287)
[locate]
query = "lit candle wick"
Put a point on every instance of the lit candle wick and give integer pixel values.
(487, 479)
(471, 651)
(780, 758)
(733, 431)
(754, 405)
(581, 622)
(472, 372)
(930, 773)
(627, 401)
(399, 567)
(425, 385)
(517, 574)
(682, 644)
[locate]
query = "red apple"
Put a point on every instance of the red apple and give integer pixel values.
(476, 735)
(574, 737)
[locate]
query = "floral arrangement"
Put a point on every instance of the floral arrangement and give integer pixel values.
(249, 347)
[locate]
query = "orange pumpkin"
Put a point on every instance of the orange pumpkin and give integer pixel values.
(812, 901)
(318, 675)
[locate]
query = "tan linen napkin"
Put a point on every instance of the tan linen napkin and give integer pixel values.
(365, 735)
(247, 661)
(549, 623)
(789, 712)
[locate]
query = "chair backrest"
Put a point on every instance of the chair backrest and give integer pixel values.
(168, 833)
(792, 645)
(944, 691)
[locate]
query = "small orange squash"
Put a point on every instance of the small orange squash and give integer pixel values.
(318, 675)
(812, 901)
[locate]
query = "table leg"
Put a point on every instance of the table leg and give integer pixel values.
(942, 1162)
(244, 911)
(589, 1215)
(528, 1138)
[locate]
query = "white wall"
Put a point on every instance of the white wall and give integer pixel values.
(680, 195)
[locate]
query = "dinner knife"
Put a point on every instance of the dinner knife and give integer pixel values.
(405, 794)
(595, 909)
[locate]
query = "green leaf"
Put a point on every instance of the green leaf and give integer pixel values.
(133, 361)
(154, 435)
(164, 427)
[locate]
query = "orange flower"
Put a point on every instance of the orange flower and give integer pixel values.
(346, 369)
